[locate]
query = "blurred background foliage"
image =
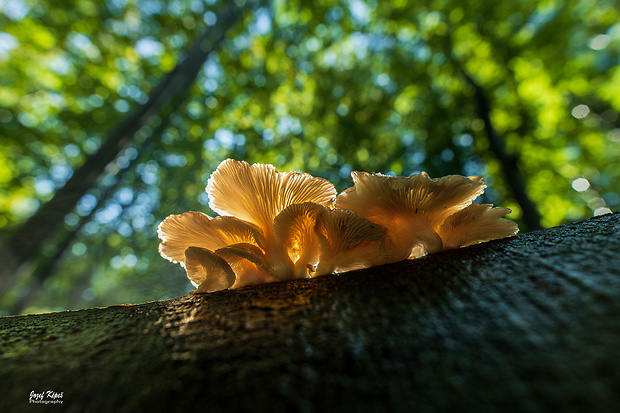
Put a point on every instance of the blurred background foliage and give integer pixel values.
(323, 87)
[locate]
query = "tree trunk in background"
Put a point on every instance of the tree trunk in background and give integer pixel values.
(46, 268)
(509, 162)
(31, 236)
(528, 323)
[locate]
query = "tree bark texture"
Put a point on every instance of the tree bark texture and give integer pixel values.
(529, 323)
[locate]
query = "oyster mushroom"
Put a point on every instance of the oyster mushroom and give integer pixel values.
(294, 228)
(413, 208)
(241, 242)
(207, 270)
(474, 224)
(198, 242)
(330, 239)
(279, 226)
(257, 194)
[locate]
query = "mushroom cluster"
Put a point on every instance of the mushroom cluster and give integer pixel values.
(276, 226)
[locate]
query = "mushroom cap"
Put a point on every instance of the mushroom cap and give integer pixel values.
(411, 208)
(257, 193)
(195, 229)
(378, 197)
(475, 224)
(207, 270)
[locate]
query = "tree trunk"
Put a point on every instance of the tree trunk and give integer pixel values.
(528, 323)
(31, 236)
(509, 162)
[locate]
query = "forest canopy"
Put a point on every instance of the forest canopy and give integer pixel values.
(113, 115)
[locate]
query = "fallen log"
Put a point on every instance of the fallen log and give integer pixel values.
(530, 323)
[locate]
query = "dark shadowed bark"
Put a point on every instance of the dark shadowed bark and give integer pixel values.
(528, 323)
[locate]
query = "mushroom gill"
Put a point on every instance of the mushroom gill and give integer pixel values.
(329, 239)
(257, 193)
(349, 242)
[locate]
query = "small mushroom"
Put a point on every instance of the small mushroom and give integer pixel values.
(330, 239)
(348, 242)
(294, 228)
(207, 270)
(411, 208)
(475, 224)
(233, 266)
(195, 229)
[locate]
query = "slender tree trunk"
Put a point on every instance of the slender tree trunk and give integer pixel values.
(510, 168)
(27, 241)
(47, 266)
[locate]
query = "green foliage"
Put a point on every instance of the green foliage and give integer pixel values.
(323, 87)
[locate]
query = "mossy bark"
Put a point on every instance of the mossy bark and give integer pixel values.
(529, 323)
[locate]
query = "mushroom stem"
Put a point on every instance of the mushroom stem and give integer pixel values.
(279, 263)
(304, 265)
(325, 267)
(407, 232)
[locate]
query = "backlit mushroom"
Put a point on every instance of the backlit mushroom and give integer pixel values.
(195, 229)
(294, 228)
(475, 224)
(257, 193)
(330, 239)
(285, 225)
(207, 270)
(411, 208)
(239, 248)
(191, 239)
